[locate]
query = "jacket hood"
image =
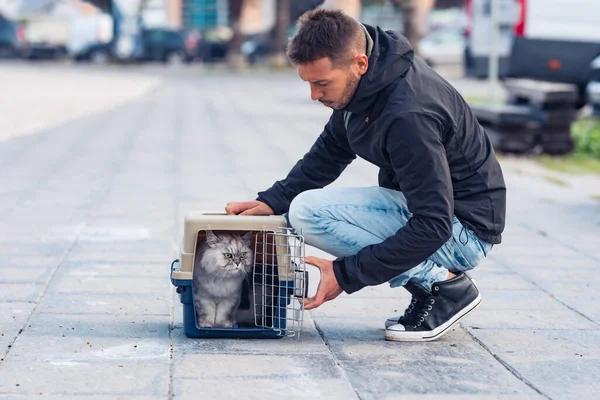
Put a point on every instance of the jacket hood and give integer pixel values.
(391, 58)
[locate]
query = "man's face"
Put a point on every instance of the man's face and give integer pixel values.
(334, 87)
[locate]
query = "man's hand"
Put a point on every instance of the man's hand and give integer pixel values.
(328, 288)
(248, 208)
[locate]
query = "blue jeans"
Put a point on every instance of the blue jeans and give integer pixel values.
(341, 221)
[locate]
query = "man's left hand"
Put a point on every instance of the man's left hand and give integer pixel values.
(328, 288)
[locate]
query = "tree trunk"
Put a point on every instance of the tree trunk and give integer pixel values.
(414, 16)
(410, 18)
(235, 58)
(279, 33)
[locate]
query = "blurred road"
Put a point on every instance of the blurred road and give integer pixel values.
(98, 167)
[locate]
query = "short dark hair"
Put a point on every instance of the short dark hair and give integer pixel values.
(326, 33)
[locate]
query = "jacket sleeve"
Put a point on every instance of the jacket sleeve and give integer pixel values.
(324, 162)
(417, 154)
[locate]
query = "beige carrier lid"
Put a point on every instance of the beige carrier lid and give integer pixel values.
(196, 222)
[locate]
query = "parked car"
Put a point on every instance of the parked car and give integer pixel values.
(45, 36)
(162, 45)
(168, 45)
(96, 53)
(443, 47)
(11, 39)
(213, 44)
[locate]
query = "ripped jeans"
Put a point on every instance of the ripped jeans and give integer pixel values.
(341, 221)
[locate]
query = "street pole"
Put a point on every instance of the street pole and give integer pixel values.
(494, 57)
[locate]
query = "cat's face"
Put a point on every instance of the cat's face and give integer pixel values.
(227, 254)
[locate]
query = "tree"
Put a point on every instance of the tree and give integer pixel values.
(414, 14)
(287, 13)
(234, 49)
(279, 33)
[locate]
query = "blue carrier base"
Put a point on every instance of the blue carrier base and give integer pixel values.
(191, 330)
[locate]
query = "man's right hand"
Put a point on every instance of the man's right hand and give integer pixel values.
(248, 208)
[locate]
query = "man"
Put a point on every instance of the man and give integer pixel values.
(440, 204)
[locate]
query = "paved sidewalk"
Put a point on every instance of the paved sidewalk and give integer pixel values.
(91, 210)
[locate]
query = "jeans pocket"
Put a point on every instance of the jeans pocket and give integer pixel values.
(469, 250)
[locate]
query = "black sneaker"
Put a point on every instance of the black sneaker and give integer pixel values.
(448, 302)
(418, 295)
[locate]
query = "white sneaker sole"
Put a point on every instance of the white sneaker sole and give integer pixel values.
(426, 336)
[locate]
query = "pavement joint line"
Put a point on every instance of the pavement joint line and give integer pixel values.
(335, 359)
(507, 265)
(176, 168)
(42, 294)
(171, 364)
(505, 364)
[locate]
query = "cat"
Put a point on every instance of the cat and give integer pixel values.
(222, 264)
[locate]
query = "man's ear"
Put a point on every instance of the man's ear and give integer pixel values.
(362, 63)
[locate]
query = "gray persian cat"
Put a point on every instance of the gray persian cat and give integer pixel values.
(222, 264)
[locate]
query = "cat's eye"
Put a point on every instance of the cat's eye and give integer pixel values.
(227, 255)
(243, 255)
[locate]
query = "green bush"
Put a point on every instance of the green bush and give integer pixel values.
(586, 134)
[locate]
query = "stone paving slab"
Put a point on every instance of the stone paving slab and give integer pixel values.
(89, 326)
(488, 318)
(451, 365)
(85, 378)
(20, 292)
(117, 285)
(570, 294)
(565, 363)
(25, 275)
(294, 387)
(425, 396)
(100, 303)
(129, 351)
(75, 396)
(504, 280)
(114, 270)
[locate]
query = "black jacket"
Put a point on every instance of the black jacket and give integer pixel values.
(416, 127)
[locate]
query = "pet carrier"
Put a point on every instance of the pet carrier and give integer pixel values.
(271, 291)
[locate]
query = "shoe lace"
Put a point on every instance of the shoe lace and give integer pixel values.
(411, 306)
(424, 312)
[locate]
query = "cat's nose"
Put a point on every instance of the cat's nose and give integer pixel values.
(237, 263)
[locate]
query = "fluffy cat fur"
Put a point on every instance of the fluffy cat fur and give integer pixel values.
(222, 264)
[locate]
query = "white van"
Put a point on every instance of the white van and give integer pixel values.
(556, 40)
(552, 40)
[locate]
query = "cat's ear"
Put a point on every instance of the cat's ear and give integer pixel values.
(248, 238)
(211, 239)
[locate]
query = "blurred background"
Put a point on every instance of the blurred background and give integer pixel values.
(494, 49)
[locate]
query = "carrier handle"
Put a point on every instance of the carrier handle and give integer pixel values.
(173, 268)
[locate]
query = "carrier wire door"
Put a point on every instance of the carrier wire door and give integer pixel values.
(281, 281)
